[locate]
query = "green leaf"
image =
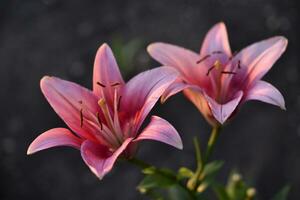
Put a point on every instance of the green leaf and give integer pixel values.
(184, 172)
(211, 169)
(154, 181)
(283, 193)
(178, 193)
(149, 170)
(220, 192)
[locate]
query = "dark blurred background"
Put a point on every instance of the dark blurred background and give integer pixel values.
(55, 37)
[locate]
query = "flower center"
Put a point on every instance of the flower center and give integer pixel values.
(219, 64)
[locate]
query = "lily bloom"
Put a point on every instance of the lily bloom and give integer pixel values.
(105, 123)
(216, 81)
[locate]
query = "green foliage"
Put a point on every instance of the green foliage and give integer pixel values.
(283, 193)
(184, 172)
(126, 53)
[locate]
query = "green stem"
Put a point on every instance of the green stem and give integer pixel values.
(211, 142)
(192, 183)
(198, 153)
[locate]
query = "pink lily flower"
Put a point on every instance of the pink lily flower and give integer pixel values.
(105, 123)
(216, 81)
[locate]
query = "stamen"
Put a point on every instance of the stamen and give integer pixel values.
(101, 102)
(239, 64)
(105, 110)
(217, 52)
(99, 120)
(115, 84)
(80, 102)
(81, 117)
(100, 84)
(211, 68)
(119, 103)
(202, 59)
(228, 72)
(217, 65)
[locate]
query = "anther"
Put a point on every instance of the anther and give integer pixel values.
(228, 72)
(239, 64)
(100, 84)
(211, 68)
(217, 52)
(99, 120)
(217, 65)
(202, 59)
(81, 118)
(80, 102)
(115, 84)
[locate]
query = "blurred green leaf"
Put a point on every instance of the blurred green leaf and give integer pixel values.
(125, 52)
(221, 192)
(211, 169)
(236, 188)
(154, 181)
(178, 193)
(184, 172)
(283, 193)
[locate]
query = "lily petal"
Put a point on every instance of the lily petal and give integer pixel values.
(184, 60)
(106, 74)
(67, 98)
(142, 92)
(267, 93)
(98, 157)
(223, 111)
(173, 89)
(53, 138)
(195, 95)
(161, 130)
(257, 59)
(216, 40)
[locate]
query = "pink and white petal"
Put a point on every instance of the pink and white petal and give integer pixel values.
(195, 95)
(53, 138)
(265, 92)
(257, 59)
(99, 158)
(142, 92)
(184, 60)
(67, 99)
(222, 112)
(173, 89)
(161, 130)
(216, 40)
(106, 73)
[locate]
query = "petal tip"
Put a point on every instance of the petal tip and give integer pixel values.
(150, 47)
(29, 151)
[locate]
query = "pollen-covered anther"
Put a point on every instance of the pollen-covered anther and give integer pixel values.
(239, 64)
(100, 84)
(115, 84)
(228, 72)
(202, 59)
(217, 64)
(217, 52)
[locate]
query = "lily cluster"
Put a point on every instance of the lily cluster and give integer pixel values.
(105, 122)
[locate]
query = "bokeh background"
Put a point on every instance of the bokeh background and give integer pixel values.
(55, 37)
